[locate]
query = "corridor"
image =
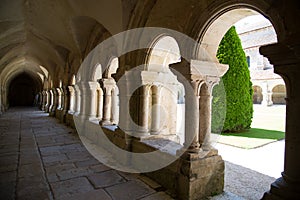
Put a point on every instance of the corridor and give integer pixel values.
(43, 159)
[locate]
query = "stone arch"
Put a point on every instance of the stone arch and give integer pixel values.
(163, 52)
(279, 94)
(165, 92)
(109, 100)
(9, 74)
(97, 74)
(223, 17)
(112, 67)
(257, 94)
(73, 79)
(88, 33)
(22, 89)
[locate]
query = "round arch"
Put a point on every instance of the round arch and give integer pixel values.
(168, 97)
(279, 94)
(163, 51)
(211, 36)
(22, 88)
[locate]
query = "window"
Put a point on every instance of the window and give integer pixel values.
(248, 61)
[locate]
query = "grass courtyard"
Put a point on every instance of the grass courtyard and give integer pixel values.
(267, 127)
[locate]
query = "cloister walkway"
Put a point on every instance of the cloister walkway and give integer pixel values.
(41, 158)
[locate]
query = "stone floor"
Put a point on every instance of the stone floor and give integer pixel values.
(43, 159)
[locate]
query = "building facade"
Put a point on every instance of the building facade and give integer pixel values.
(268, 87)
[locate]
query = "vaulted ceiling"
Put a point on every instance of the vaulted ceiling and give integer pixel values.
(49, 33)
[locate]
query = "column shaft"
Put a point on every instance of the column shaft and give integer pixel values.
(192, 120)
(72, 99)
(99, 103)
(144, 109)
(205, 121)
(106, 107)
(114, 107)
(155, 114)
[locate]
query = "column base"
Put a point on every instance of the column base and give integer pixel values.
(154, 132)
(58, 114)
(266, 103)
(282, 190)
(52, 111)
(70, 119)
(46, 108)
(202, 177)
(193, 176)
(105, 123)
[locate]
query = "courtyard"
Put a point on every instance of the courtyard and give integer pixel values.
(249, 172)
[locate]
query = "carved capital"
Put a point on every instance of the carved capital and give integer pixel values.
(280, 54)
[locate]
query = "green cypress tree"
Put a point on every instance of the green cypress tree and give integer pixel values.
(237, 85)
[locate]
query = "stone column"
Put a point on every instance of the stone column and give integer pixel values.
(51, 100)
(125, 122)
(193, 175)
(205, 112)
(124, 118)
(54, 101)
(72, 99)
(205, 121)
(106, 107)
(192, 119)
(44, 100)
(267, 95)
(144, 109)
(287, 64)
(66, 102)
(129, 99)
(88, 99)
(99, 103)
(59, 98)
(77, 99)
(40, 100)
(115, 106)
(155, 114)
(108, 85)
(48, 100)
(59, 106)
(70, 105)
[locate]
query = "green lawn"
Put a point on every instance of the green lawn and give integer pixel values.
(250, 139)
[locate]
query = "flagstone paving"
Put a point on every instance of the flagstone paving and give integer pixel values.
(41, 158)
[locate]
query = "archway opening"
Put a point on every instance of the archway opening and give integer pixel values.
(22, 90)
(165, 93)
(237, 167)
(279, 95)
